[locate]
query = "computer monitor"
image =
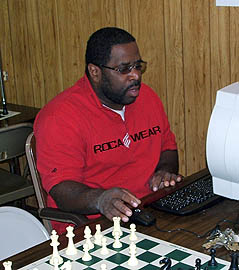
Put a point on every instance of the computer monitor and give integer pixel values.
(222, 145)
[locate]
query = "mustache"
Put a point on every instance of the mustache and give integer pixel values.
(135, 83)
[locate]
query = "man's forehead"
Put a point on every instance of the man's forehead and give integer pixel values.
(124, 53)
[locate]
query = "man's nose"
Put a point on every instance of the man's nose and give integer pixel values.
(135, 74)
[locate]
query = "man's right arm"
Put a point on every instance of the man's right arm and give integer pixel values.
(79, 198)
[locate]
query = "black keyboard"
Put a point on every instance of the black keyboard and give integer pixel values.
(191, 198)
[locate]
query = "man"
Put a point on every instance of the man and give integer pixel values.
(105, 142)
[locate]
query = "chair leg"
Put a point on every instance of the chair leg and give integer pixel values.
(26, 172)
(14, 165)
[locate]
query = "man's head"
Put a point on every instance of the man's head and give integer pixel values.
(114, 66)
(100, 43)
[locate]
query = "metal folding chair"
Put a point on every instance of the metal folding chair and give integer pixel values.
(19, 230)
(47, 213)
(13, 186)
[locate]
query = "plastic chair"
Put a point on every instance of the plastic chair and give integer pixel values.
(19, 230)
(47, 213)
(13, 186)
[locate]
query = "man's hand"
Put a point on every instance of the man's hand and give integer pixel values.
(113, 202)
(163, 179)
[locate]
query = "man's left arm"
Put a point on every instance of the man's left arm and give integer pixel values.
(166, 173)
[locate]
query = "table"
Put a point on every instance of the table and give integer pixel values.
(27, 114)
(199, 223)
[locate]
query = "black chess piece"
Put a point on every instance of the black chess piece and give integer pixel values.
(198, 264)
(234, 261)
(166, 264)
(212, 261)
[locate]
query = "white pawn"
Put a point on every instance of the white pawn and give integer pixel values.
(88, 236)
(55, 244)
(104, 250)
(133, 236)
(71, 249)
(98, 235)
(86, 257)
(66, 265)
(103, 266)
(117, 243)
(133, 261)
(7, 265)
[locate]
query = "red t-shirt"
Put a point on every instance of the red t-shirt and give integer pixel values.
(80, 139)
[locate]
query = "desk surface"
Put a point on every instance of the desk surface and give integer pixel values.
(27, 114)
(199, 223)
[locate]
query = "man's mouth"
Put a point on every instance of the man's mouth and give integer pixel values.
(133, 91)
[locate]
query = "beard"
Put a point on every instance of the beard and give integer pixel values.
(117, 96)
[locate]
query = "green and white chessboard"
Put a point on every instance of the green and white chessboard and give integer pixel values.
(149, 252)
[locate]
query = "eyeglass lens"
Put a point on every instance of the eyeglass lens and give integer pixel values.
(139, 66)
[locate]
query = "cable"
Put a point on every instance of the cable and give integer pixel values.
(210, 232)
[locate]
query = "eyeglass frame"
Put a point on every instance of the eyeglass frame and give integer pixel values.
(129, 67)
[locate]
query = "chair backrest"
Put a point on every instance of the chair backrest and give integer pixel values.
(19, 230)
(41, 194)
(13, 139)
(13, 185)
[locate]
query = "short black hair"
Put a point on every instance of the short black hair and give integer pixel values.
(99, 45)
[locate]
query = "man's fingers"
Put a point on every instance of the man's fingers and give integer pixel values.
(122, 208)
(164, 179)
(130, 198)
(118, 209)
(179, 178)
(158, 180)
(117, 202)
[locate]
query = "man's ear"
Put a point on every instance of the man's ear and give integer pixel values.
(95, 73)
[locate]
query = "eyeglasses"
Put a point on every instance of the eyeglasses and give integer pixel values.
(139, 65)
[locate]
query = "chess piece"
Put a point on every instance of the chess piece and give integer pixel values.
(54, 243)
(71, 249)
(212, 261)
(234, 261)
(7, 265)
(103, 266)
(166, 264)
(116, 226)
(104, 250)
(133, 261)
(117, 243)
(56, 263)
(98, 235)
(198, 264)
(133, 236)
(66, 265)
(88, 235)
(86, 256)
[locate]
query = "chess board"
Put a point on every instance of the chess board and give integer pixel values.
(149, 252)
